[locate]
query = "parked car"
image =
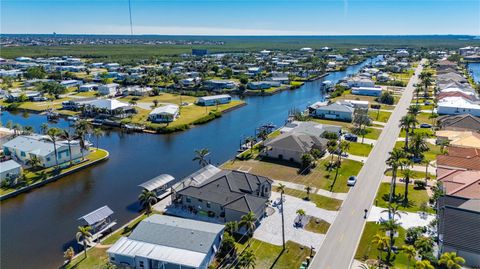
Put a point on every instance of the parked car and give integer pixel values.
(351, 181)
(350, 137)
(428, 103)
(425, 125)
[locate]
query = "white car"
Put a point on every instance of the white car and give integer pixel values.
(351, 181)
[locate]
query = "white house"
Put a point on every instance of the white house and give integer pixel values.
(368, 91)
(22, 148)
(402, 53)
(334, 111)
(137, 91)
(108, 89)
(110, 107)
(166, 113)
(355, 103)
(165, 242)
(457, 105)
(10, 170)
(71, 83)
(214, 100)
(360, 82)
(88, 87)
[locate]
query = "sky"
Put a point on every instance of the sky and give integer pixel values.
(241, 17)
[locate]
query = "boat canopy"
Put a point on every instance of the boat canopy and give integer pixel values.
(157, 182)
(97, 215)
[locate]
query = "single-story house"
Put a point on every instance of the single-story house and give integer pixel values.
(259, 85)
(109, 107)
(214, 100)
(310, 128)
(460, 182)
(292, 146)
(214, 84)
(458, 222)
(459, 122)
(108, 89)
(167, 113)
(166, 242)
(226, 195)
(137, 91)
(466, 139)
(71, 83)
(22, 148)
(368, 91)
(15, 95)
(10, 170)
(457, 105)
(334, 111)
(459, 157)
(355, 103)
(88, 87)
(356, 82)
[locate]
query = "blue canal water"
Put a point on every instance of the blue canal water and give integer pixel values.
(38, 226)
(474, 70)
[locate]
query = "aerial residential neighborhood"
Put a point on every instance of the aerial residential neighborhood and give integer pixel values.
(240, 134)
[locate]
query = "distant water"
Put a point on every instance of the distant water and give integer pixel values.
(474, 70)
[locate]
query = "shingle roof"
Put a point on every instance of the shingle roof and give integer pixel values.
(460, 122)
(296, 142)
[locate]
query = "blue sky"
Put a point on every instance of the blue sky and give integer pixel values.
(242, 17)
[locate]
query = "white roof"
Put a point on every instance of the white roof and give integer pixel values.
(367, 88)
(457, 102)
(198, 177)
(133, 248)
(97, 215)
(110, 104)
(157, 182)
(167, 109)
(455, 89)
(9, 165)
(213, 97)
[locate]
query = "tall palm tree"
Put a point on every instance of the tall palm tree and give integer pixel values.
(343, 147)
(414, 111)
(308, 189)
(424, 264)
(231, 227)
(82, 128)
(53, 134)
(406, 123)
(249, 222)
(394, 161)
(391, 226)
(407, 174)
(83, 235)
(27, 130)
(426, 78)
(34, 162)
(417, 93)
(44, 128)
(392, 211)
(247, 259)
(418, 145)
(200, 156)
(382, 243)
(410, 252)
(69, 138)
(249, 141)
(97, 132)
(16, 129)
(451, 260)
(147, 200)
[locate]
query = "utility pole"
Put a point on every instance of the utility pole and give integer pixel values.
(283, 221)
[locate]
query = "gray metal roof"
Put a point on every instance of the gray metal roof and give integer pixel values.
(157, 182)
(198, 177)
(177, 232)
(9, 165)
(97, 215)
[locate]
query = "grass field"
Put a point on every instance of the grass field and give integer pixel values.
(319, 200)
(430, 155)
(427, 131)
(415, 197)
(317, 226)
(367, 250)
(319, 177)
(360, 149)
(381, 116)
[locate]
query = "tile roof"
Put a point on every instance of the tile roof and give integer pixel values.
(458, 157)
(460, 182)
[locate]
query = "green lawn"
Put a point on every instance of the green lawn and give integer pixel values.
(377, 115)
(319, 200)
(430, 155)
(367, 250)
(427, 131)
(343, 124)
(373, 133)
(270, 256)
(415, 197)
(425, 118)
(43, 174)
(317, 226)
(415, 174)
(360, 149)
(319, 177)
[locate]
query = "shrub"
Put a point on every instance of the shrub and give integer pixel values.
(419, 184)
(386, 98)
(211, 116)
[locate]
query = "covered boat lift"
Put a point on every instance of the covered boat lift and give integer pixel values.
(159, 185)
(100, 220)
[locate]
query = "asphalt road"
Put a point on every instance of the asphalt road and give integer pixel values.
(338, 249)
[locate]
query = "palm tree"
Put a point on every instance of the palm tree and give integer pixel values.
(301, 213)
(97, 132)
(414, 111)
(308, 189)
(83, 235)
(247, 259)
(82, 128)
(53, 135)
(451, 260)
(394, 161)
(392, 211)
(69, 254)
(443, 144)
(16, 129)
(249, 222)
(250, 140)
(406, 123)
(407, 174)
(410, 252)
(231, 227)
(343, 147)
(382, 243)
(27, 130)
(67, 136)
(426, 78)
(200, 156)
(44, 128)
(418, 145)
(34, 162)
(391, 226)
(147, 200)
(424, 264)
(417, 93)
(424, 245)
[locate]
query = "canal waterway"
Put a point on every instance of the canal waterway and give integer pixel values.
(474, 70)
(36, 227)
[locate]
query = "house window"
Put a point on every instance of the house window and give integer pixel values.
(200, 200)
(209, 205)
(188, 200)
(48, 159)
(140, 264)
(22, 153)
